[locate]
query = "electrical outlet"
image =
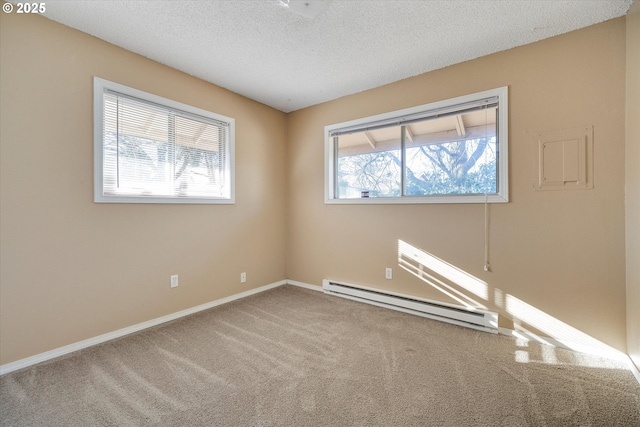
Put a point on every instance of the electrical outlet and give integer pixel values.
(243, 277)
(174, 281)
(388, 273)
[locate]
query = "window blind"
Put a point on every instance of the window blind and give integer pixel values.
(491, 102)
(155, 150)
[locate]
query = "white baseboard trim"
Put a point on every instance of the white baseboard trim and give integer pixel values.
(304, 285)
(61, 351)
(634, 369)
(610, 353)
(607, 353)
(532, 337)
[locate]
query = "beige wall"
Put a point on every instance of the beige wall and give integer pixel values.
(72, 269)
(561, 253)
(633, 184)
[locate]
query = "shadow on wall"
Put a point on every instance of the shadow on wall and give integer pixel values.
(472, 293)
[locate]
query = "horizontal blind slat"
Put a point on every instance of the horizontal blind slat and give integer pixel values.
(491, 102)
(150, 149)
(175, 111)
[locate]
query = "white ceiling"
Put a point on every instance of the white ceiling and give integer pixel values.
(264, 51)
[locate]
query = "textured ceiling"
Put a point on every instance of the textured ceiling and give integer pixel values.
(265, 52)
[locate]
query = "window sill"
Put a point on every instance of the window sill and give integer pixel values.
(412, 200)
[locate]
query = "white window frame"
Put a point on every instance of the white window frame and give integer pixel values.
(502, 196)
(99, 87)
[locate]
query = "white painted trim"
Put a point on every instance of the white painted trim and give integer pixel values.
(503, 146)
(634, 369)
(613, 354)
(304, 285)
(61, 351)
(567, 345)
(532, 337)
(99, 86)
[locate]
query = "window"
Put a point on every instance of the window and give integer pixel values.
(149, 149)
(452, 151)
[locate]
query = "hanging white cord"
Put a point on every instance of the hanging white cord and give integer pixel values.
(487, 267)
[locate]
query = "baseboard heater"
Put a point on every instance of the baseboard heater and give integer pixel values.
(481, 320)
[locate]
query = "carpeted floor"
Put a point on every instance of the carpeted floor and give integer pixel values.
(295, 357)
